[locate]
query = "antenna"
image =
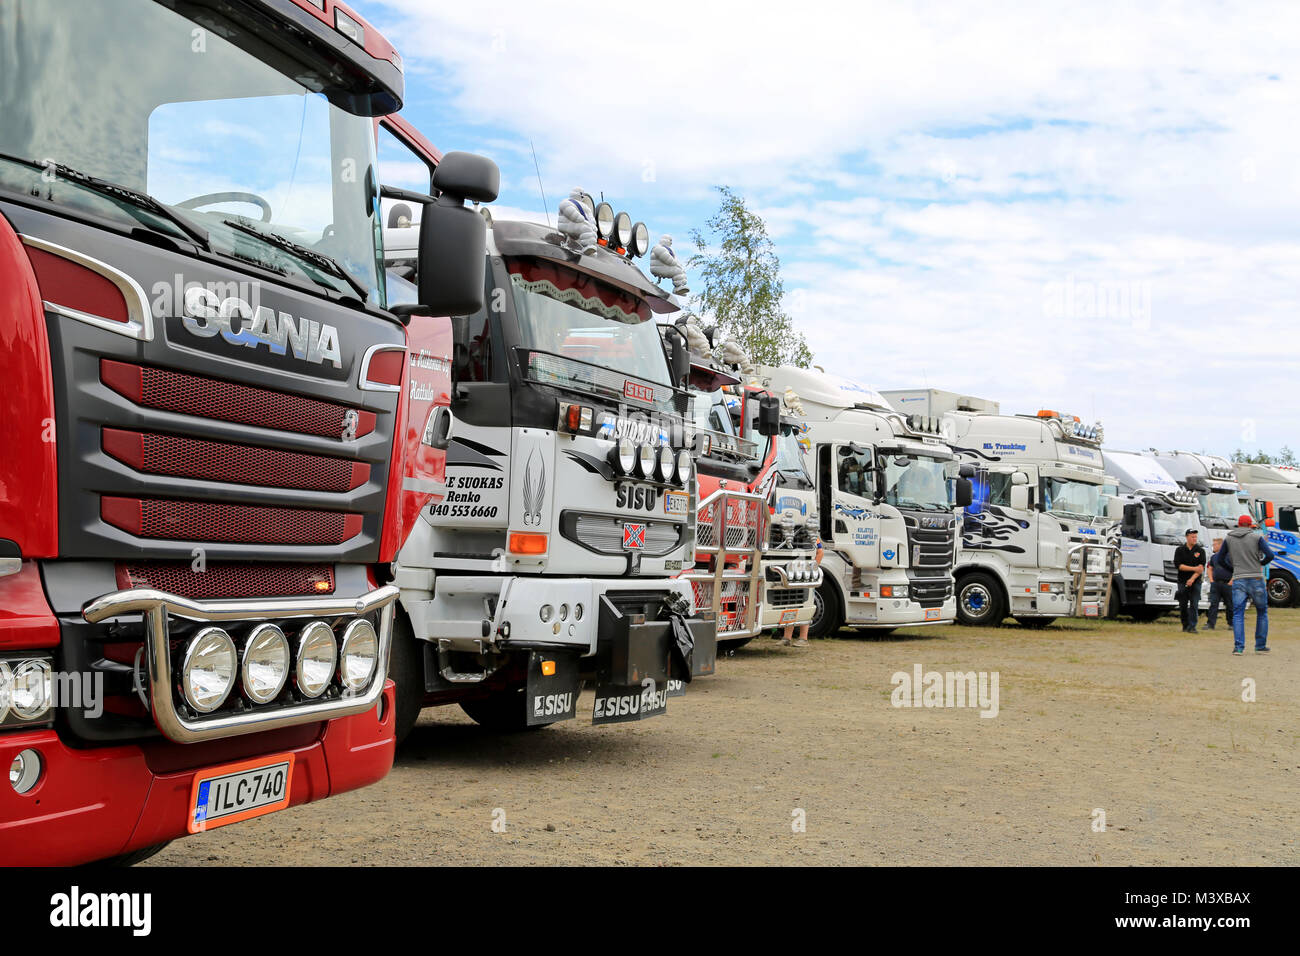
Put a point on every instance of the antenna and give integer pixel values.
(546, 207)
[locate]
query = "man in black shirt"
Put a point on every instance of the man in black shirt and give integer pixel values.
(1190, 561)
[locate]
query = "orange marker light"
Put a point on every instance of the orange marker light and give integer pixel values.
(522, 542)
(1044, 587)
(548, 668)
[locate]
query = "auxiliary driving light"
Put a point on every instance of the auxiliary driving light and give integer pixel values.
(577, 612)
(360, 655)
(640, 239)
(626, 455)
(623, 230)
(25, 770)
(685, 466)
(666, 463)
(317, 657)
(266, 663)
(208, 672)
(604, 221)
(545, 612)
(645, 460)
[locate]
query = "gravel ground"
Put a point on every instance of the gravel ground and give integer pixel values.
(1140, 721)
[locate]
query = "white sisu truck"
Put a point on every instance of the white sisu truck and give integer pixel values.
(560, 490)
(1034, 543)
(886, 488)
(1157, 513)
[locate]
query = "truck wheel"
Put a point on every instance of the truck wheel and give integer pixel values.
(503, 712)
(828, 616)
(1036, 623)
(979, 601)
(733, 645)
(1281, 589)
(134, 857)
(406, 668)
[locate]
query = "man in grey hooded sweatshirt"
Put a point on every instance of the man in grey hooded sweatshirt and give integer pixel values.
(1246, 554)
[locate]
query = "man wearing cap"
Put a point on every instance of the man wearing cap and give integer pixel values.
(1247, 552)
(1190, 559)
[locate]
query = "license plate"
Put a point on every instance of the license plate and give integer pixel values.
(932, 613)
(787, 617)
(240, 791)
(1091, 610)
(677, 504)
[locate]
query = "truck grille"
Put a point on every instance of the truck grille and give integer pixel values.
(787, 597)
(604, 534)
(802, 541)
(1171, 572)
(240, 524)
(930, 576)
(215, 581)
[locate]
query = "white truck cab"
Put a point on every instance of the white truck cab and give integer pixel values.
(1035, 543)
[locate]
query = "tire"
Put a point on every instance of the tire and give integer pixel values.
(1281, 589)
(503, 712)
(132, 858)
(406, 668)
(734, 644)
(979, 601)
(828, 617)
(1035, 623)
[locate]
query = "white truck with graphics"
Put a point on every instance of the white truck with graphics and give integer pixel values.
(1157, 513)
(561, 484)
(886, 487)
(1034, 546)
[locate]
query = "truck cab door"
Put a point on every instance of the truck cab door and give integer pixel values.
(855, 521)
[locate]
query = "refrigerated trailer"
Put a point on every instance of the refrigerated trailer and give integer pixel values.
(199, 502)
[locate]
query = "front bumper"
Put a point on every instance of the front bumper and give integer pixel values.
(102, 802)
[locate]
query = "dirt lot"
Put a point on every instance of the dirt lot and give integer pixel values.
(1138, 720)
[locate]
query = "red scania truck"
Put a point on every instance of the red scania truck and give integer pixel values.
(203, 388)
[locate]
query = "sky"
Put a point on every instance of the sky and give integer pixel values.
(1082, 207)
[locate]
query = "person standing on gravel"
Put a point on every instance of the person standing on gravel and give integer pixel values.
(1190, 559)
(1247, 554)
(1220, 576)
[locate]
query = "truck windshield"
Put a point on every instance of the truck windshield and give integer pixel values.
(790, 468)
(919, 483)
(1170, 527)
(571, 314)
(1220, 504)
(1065, 496)
(709, 411)
(137, 95)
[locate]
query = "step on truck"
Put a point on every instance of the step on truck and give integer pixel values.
(757, 582)
(1157, 514)
(1034, 545)
(559, 486)
(886, 488)
(198, 500)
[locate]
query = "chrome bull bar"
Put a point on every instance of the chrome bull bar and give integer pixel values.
(730, 529)
(1092, 568)
(157, 606)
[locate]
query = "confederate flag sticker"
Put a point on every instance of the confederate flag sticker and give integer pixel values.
(633, 536)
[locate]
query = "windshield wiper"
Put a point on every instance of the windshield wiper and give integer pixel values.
(118, 191)
(318, 259)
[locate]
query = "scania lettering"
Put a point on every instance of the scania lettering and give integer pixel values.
(1033, 544)
(886, 488)
(198, 346)
(560, 573)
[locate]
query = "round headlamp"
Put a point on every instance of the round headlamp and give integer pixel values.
(667, 462)
(640, 239)
(645, 460)
(317, 656)
(604, 220)
(588, 204)
(265, 667)
(208, 671)
(360, 656)
(623, 230)
(685, 466)
(626, 455)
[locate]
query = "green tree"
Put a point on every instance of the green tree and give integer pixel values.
(742, 285)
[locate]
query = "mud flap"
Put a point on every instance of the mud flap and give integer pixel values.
(620, 703)
(551, 697)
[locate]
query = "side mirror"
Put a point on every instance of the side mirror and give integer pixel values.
(453, 237)
(1132, 516)
(966, 470)
(769, 415)
(1114, 509)
(1019, 478)
(1020, 497)
(964, 493)
(679, 356)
